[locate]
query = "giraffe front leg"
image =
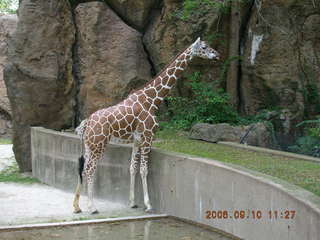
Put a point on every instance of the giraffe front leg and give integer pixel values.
(133, 171)
(144, 173)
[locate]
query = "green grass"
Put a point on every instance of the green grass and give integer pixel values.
(5, 141)
(298, 172)
(12, 174)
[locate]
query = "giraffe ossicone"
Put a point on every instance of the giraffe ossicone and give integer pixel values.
(132, 120)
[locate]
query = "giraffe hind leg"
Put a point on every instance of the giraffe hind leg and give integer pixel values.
(89, 171)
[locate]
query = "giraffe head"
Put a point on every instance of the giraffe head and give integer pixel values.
(201, 49)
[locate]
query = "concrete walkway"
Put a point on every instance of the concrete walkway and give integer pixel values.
(37, 203)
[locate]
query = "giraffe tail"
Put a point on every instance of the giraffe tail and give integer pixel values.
(81, 128)
(81, 167)
(80, 131)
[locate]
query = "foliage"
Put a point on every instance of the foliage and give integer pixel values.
(199, 6)
(307, 145)
(311, 90)
(205, 105)
(8, 6)
(5, 141)
(310, 143)
(296, 171)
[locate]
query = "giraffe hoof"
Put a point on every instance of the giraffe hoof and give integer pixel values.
(134, 206)
(77, 211)
(95, 212)
(149, 210)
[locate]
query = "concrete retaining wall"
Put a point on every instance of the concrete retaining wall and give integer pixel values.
(187, 187)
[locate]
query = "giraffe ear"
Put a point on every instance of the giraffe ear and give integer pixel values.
(197, 41)
(196, 44)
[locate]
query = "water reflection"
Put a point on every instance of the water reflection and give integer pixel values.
(159, 229)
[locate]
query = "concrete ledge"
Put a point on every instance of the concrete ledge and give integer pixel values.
(187, 187)
(76, 223)
(271, 151)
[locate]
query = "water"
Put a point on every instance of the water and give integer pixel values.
(157, 229)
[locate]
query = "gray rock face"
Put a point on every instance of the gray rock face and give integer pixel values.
(39, 73)
(167, 35)
(111, 58)
(258, 135)
(8, 24)
(134, 12)
(280, 67)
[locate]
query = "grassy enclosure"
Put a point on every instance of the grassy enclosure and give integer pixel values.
(298, 172)
(5, 141)
(11, 173)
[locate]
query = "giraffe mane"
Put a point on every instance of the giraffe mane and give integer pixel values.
(159, 73)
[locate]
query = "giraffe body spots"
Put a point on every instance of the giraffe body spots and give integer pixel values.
(122, 110)
(151, 92)
(146, 106)
(129, 110)
(143, 115)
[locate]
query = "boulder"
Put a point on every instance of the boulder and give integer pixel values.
(39, 72)
(256, 134)
(135, 13)
(111, 60)
(279, 65)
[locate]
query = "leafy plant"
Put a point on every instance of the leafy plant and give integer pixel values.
(309, 144)
(205, 105)
(199, 6)
(314, 130)
(8, 6)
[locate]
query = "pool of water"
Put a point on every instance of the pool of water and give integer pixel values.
(153, 229)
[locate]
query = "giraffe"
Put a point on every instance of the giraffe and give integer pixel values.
(133, 120)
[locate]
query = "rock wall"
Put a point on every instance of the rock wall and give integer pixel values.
(168, 34)
(280, 66)
(110, 56)
(134, 12)
(39, 73)
(65, 62)
(8, 24)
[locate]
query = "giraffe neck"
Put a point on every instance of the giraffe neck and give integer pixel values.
(160, 87)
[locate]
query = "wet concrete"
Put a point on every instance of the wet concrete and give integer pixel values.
(37, 203)
(6, 156)
(160, 229)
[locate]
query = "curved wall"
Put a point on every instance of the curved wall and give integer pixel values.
(188, 187)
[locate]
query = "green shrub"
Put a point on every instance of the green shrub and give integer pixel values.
(310, 143)
(307, 145)
(190, 7)
(198, 6)
(204, 105)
